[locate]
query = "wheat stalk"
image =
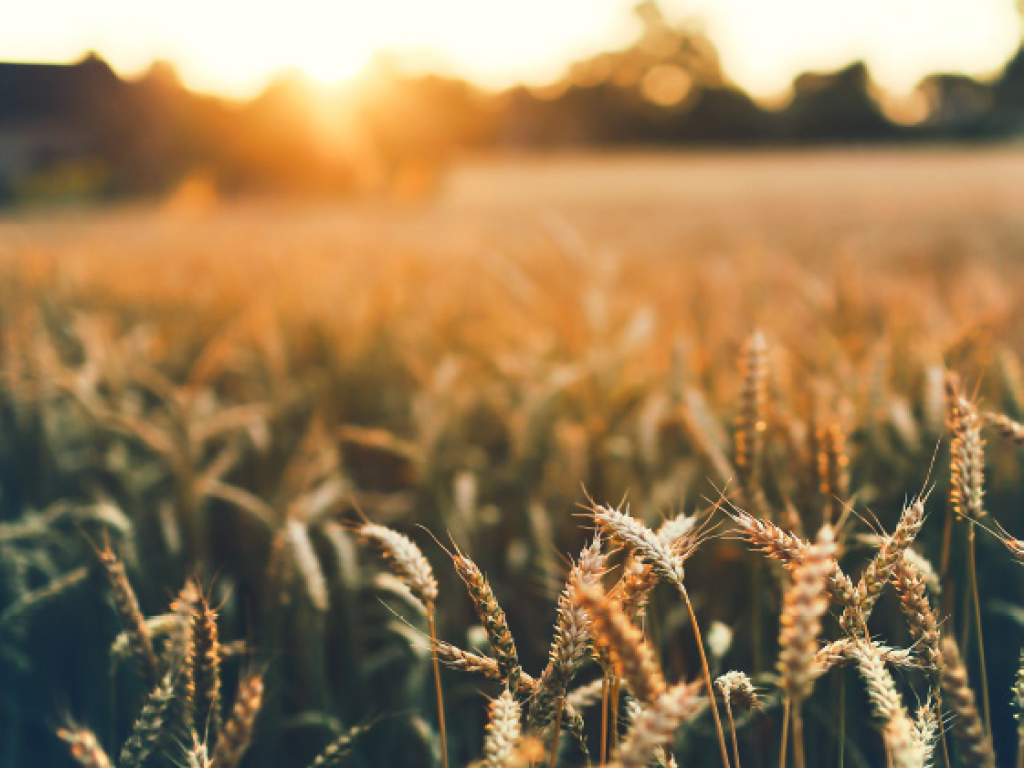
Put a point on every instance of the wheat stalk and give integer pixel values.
(151, 725)
(572, 635)
(407, 559)
(750, 422)
(204, 669)
(127, 604)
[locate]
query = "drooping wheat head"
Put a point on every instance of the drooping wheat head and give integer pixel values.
(151, 726)
(967, 456)
(571, 640)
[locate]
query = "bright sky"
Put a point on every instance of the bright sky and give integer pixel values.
(235, 46)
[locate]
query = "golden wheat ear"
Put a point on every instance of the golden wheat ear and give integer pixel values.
(204, 670)
(504, 728)
(491, 616)
(804, 604)
(140, 641)
(84, 747)
(239, 728)
(151, 726)
(967, 724)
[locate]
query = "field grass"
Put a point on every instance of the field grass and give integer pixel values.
(204, 406)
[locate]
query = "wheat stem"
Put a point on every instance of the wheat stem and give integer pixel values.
(437, 689)
(706, 670)
(981, 641)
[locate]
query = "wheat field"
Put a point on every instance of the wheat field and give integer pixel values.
(630, 460)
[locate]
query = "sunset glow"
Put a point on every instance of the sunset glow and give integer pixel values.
(235, 47)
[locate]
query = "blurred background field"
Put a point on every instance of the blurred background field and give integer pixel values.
(201, 380)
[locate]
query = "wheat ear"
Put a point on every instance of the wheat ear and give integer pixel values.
(1018, 703)
(803, 606)
(880, 570)
(503, 731)
(833, 470)
(127, 604)
(84, 747)
(150, 727)
(656, 724)
(967, 725)
(204, 669)
(492, 617)
(908, 745)
(921, 617)
(238, 729)
(407, 559)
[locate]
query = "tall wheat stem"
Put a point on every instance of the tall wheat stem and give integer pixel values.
(557, 732)
(842, 719)
(981, 640)
(614, 719)
(437, 689)
(604, 719)
(798, 738)
(732, 732)
(707, 676)
(785, 732)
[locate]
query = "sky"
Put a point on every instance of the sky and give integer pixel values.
(234, 47)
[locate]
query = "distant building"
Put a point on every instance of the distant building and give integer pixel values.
(52, 120)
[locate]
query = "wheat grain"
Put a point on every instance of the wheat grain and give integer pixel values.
(238, 729)
(656, 724)
(492, 617)
(804, 604)
(958, 694)
(630, 654)
(405, 557)
(503, 731)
